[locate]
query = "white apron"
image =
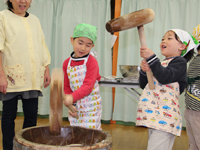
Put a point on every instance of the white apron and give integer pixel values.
(159, 108)
(89, 107)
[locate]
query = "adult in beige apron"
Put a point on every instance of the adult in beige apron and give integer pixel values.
(89, 107)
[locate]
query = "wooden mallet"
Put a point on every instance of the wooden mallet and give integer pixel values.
(56, 102)
(131, 20)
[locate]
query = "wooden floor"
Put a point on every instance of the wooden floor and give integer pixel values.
(124, 137)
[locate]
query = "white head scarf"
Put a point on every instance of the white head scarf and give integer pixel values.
(187, 39)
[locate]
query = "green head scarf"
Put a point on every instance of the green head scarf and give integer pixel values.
(86, 30)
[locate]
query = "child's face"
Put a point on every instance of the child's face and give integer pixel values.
(170, 46)
(81, 46)
(20, 6)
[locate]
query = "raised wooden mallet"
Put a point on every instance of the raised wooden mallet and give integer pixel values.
(131, 20)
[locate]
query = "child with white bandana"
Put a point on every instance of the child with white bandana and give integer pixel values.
(192, 98)
(158, 109)
(81, 76)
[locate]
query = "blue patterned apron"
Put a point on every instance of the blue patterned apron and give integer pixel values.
(159, 108)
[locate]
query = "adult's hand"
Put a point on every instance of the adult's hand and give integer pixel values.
(47, 77)
(3, 83)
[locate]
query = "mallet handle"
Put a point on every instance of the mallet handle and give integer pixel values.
(143, 43)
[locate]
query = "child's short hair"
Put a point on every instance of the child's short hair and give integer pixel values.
(198, 48)
(86, 30)
(189, 55)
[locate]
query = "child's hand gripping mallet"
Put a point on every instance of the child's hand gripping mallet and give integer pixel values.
(131, 20)
(71, 107)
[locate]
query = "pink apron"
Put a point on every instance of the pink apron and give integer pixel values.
(89, 107)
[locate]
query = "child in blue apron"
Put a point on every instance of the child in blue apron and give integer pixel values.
(81, 76)
(158, 109)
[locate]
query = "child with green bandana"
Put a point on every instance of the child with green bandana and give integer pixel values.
(81, 76)
(158, 109)
(192, 98)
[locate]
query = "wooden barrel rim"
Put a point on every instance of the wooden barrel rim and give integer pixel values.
(19, 140)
